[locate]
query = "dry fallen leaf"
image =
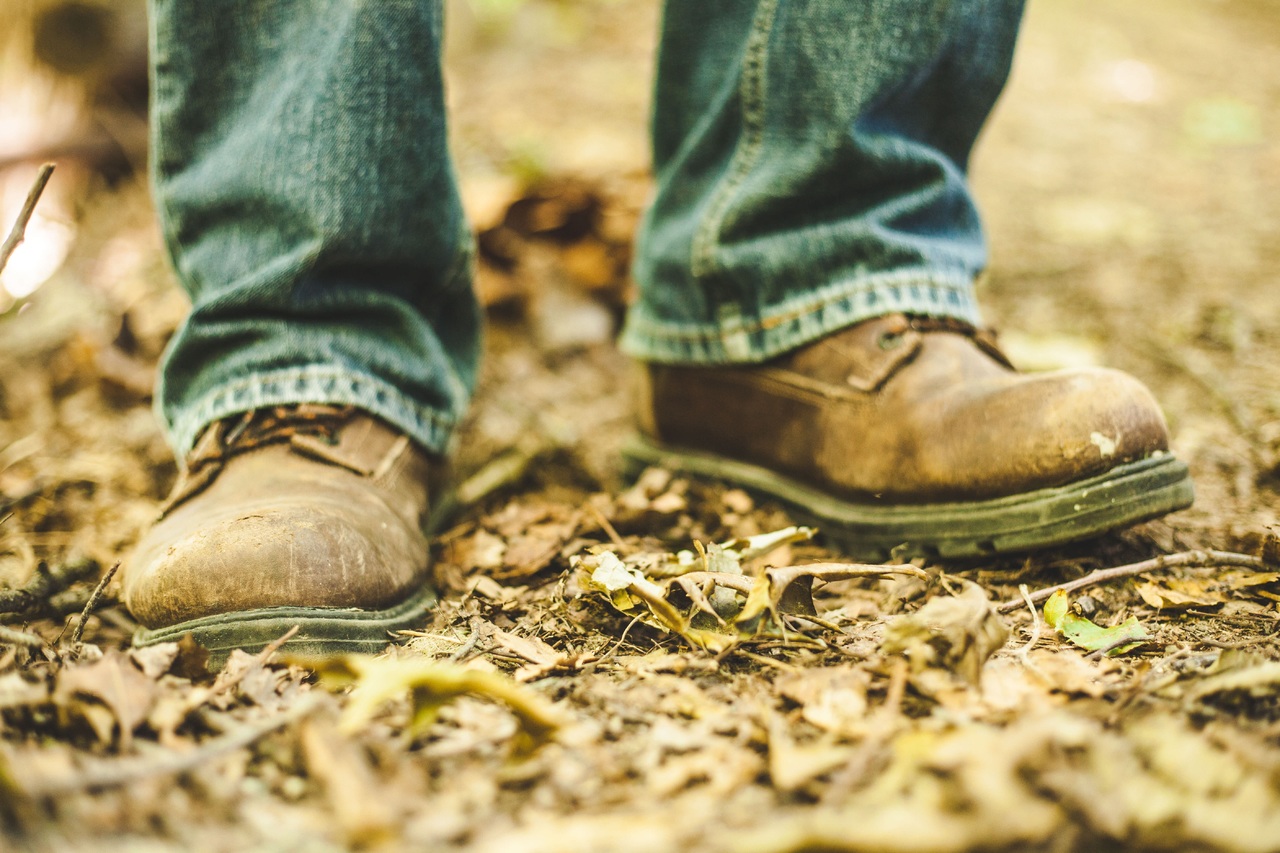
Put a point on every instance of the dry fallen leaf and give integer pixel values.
(949, 634)
(154, 661)
(430, 685)
(118, 685)
(1203, 591)
(833, 698)
(706, 598)
(793, 765)
(363, 812)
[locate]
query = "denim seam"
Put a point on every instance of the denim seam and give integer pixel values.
(315, 384)
(752, 93)
(460, 271)
(645, 338)
(156, 144)
(896, 278)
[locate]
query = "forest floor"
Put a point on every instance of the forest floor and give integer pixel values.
(1128, 180)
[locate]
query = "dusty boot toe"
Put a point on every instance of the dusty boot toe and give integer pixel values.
(308, 516)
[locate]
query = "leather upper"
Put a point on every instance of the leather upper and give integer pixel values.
(903, 410)
(325, 507)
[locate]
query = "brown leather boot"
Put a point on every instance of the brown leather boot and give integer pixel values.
(914, 437)
(304, 515)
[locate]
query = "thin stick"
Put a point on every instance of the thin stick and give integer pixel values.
(20, 638)
(19, 231)
(221, 685)
(613, 651)
(1037, 625)
(1166, 561)
(768, 661)
(606, 526)
(122, 772)
(896, 690)
(92, 603)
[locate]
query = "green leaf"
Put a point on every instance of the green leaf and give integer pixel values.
(1055, 608)
(1116, 640)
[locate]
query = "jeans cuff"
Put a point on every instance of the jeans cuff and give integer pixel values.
(745, 336)
(430, 428)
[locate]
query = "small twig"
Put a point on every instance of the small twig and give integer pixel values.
(92, 603)
(1126, 642)
(20, 638)
(621, 639)
(480, 629)
(606, 526)
(222, 686)
(502, 471)
(768, 661)
(122, 772)
(1219, 644)
(19, 231)
(1037, 626)
(225, 682)
(1166, 561)
(896, 690)
(1239, 618)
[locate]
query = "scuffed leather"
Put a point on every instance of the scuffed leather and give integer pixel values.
(313, 518)
(896, 410)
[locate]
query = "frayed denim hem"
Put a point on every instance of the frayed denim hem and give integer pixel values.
(431, 429)
(740, 338)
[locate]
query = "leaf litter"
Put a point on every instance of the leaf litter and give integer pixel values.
(667, 664)
(614, 666)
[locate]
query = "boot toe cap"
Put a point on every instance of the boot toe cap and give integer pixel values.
(283, 557)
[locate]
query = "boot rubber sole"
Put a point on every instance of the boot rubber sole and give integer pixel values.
(1125, 495)
(322, 631)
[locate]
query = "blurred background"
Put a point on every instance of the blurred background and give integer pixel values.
(1128, 179)
(1129, 183)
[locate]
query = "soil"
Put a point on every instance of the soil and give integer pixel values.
(1128, 184)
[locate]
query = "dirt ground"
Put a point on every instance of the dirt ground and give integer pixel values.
(574, 689)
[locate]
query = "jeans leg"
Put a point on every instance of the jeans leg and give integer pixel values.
(305, 190)
(811, 162)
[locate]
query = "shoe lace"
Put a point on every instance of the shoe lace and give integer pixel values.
(984, 337)
(231, 437)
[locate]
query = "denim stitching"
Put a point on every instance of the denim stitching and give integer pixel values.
(795, 323)
(432, 429)
(752, 94)
(828, 296)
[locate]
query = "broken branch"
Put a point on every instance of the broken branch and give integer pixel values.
(1165, 561)
(92, 603)
(19, 231)
(20, 638)
(34, 597)
(122, 772)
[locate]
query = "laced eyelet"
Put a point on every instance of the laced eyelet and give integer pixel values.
(889, 340)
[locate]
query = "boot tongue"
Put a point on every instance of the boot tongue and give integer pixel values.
(864, 356)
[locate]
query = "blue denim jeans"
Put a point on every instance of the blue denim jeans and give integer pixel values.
(810, 158)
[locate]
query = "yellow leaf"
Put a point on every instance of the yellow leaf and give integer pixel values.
(430, 685)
